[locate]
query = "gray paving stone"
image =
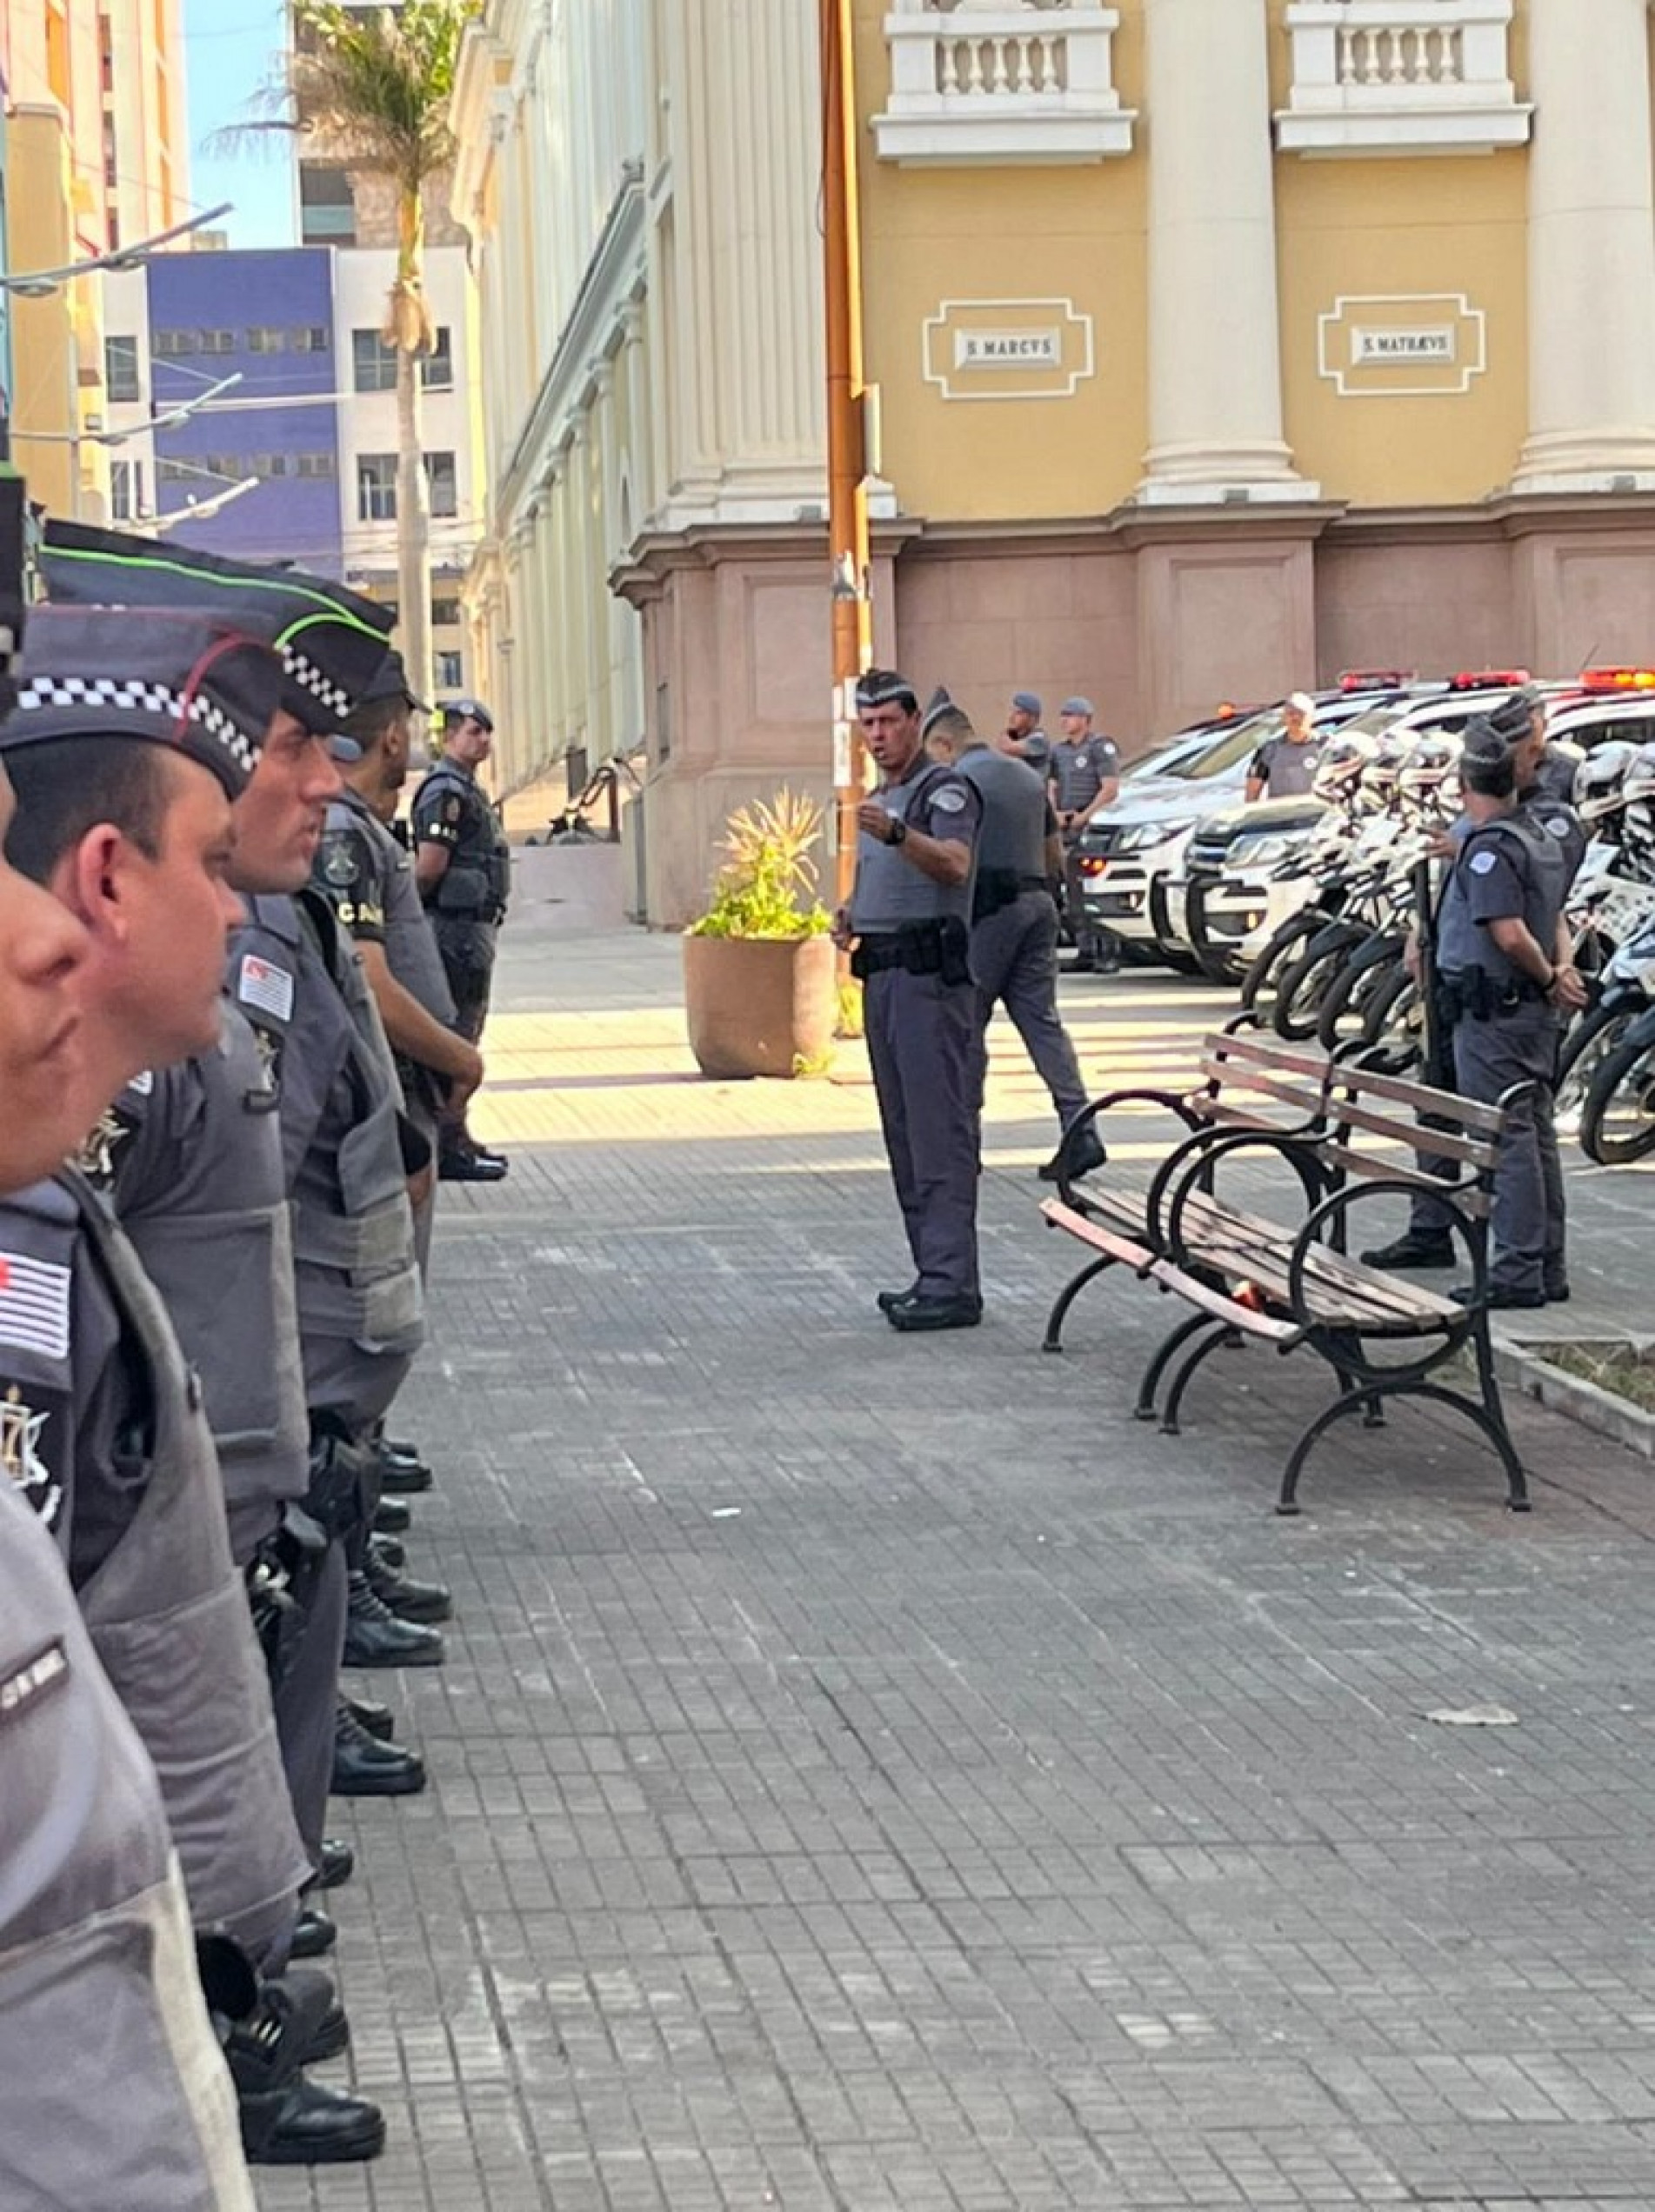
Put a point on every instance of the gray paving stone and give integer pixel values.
(880, 1774)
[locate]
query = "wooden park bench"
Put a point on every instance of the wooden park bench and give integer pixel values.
(1345, 1134)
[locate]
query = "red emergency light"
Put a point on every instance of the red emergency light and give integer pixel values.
(1488, 679)
(1618, 679)
(1375, 679)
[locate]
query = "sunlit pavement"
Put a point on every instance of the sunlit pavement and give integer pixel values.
(877, 1773)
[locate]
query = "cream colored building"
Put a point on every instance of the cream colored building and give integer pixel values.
(1221, 344)
(97, 158)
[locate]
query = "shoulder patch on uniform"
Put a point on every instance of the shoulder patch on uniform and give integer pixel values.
(452, 811)
(143, 1082)
(1557, 827)
(263, 984)
(21, 1431)
(1482, 862)
(950, 800)
(34, 1304)
(338, 862)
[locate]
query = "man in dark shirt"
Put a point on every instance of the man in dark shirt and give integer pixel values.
(1284, 766)
(1083, 775)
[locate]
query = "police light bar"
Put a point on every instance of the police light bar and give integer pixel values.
(1488, 679)
(1375, 679)
(1618, 679)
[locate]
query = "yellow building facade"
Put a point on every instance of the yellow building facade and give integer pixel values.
(97, 158)
(1221, 345)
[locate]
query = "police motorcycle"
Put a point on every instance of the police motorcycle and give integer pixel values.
(1614, 908)
(1310, 879)
(1379, 902)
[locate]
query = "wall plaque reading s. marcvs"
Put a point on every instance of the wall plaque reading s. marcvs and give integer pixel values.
(1007, 348)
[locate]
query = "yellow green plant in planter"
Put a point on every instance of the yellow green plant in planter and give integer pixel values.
(760, 987)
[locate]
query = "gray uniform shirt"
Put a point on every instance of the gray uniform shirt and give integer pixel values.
(889, 890)
(1016, 812)
(1079, 772)
(1507, 869)
(1288, 768)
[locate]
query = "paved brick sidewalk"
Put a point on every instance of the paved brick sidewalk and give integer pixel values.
(875, 1773)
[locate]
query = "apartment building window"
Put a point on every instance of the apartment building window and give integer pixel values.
(266, 337)
(126, 490)
(443, 483)
(374, 362)
(121, 368)
(216, 340)
(445, 614)
(316, 465)
(167, 471)
(272, 465)
(450, 672)
(375, 487)
(311, 337)
(168, 344)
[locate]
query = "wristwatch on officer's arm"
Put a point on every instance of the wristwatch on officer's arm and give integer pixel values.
(899, 831)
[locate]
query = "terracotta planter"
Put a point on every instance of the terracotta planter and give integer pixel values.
(757, 1006)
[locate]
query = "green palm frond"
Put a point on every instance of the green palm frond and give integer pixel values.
(767, 885)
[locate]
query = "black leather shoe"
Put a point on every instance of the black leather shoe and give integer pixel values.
(911, 1316)
(1086, 1153)
(408, 1600)
(315, 1936)
(367, 1712)
(265, 2048)
(402, 1469)
(1499, 1299)
(375, 1637)
(393, 1518)
(307, 2125)
(364, 1767)
(389, 1551)
(1410, 1250)
(887, 1299)
(338, 1864)
(1557, 1293)
(470, 1167)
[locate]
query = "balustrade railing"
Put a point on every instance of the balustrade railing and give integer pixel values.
(1401, 76)
(1001, 80)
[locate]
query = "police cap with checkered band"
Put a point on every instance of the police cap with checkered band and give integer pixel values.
(179, 678)
(332, 641)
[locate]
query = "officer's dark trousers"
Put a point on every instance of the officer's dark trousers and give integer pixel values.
(1092, 940)
(467, 950)
(923, 1038)
(1530, 1224)
(1014, 958)
(303, 1688)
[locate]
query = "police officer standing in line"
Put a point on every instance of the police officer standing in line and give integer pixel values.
(200, 1168)
(1284, 766)
(365, 871)
(1025, 739)
(909, 919)
(127, 743)
(94, 1925)
(1083, 775)
(1014, 919)
(463, 869)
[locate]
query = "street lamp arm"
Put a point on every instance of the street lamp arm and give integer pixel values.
(38, 284)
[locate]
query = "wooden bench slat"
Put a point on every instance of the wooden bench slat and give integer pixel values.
(1420, 1098)
(1218, 1044)
(1477, 1205)
(1308, 1098)
(1414, 1136)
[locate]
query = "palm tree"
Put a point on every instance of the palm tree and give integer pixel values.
(374, 85)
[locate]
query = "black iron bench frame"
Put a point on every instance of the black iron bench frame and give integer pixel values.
(1296, 1288)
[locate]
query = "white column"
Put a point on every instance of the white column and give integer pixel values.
(1215, 342)
(1591, 251)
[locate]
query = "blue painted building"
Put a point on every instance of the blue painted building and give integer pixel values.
(267, 316)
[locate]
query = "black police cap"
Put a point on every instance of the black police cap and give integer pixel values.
(179, 678)
(332, 642)
(880, 687)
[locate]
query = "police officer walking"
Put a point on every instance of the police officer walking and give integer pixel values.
(909, 918)
(1014, 918)
(1084, 773)
(463, 866)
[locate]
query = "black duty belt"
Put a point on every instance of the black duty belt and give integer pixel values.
(1473, 993)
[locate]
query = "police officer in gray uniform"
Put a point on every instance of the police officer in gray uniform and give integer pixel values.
(110, 1436)
(1083, 773)
(1496, 934)
(364, 869)
(94, 1923)
(1519, 725)
(197, 1165)
(463, 866)
(910, 918)
(1284, 766)
(1014, 918)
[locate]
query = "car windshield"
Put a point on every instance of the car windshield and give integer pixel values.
(1374, 724)
(1214, 750)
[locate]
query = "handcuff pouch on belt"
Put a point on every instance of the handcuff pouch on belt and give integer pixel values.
(996, 888)
(940, 948)
(338, 1468)
(1471, 994)
(281, 1561)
